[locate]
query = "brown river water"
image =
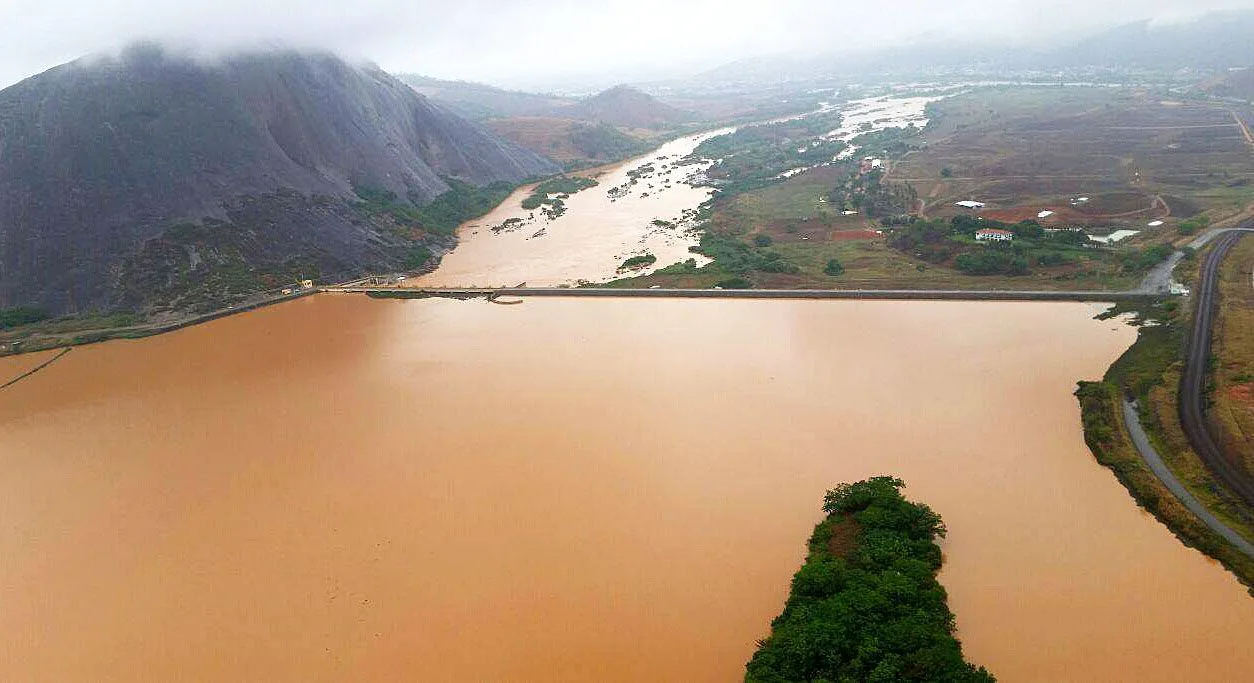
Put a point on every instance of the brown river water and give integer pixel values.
(600, 229)
(344, 489)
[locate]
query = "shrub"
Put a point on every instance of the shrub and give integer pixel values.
(20, 315)
(638, 262)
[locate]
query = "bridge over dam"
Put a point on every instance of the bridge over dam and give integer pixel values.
(492, 293)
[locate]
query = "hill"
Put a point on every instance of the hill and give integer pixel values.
(1212, 41)
(153, 182)
(628, 107)
(1233, 84)
(480, 101)
(611, 125)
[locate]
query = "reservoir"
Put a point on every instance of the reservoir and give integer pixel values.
(339, 488)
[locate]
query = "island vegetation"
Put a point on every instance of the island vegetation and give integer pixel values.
(637, 262)
(866, 605)
(549, 195)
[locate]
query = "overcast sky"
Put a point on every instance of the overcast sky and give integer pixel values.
(541, 41)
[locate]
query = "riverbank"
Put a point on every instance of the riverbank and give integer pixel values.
(1149, 374)
(29, 343)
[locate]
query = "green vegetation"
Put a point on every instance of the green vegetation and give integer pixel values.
(868, 194)
(440, 216)
(551, 192)
(733, 283)
(1148, 373)
(20, 315)
(834, 268)
(953, 243)
(1193, 225)
(604, 142)
(415, 257)
(754, 156)
(638, 262)
(734, 257)
(866, 605)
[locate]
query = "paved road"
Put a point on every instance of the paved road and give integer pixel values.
(1192, 395)
(1164, 473)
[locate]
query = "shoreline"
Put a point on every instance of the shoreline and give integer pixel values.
(1149, 376)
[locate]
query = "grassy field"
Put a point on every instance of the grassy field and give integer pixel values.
(1232, 407)
(1041, 147)
(794, 216)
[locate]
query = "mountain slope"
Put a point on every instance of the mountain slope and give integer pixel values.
(480, 101)
(1234, 84)
(104, 161)
(1211, 41)
(628, 107)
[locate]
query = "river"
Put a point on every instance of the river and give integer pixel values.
(340, 488)
(602, 227)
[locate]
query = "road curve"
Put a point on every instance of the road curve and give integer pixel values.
(1155, 462)
(1197, 357)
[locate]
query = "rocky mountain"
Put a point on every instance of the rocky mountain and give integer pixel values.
(481, 101)
(152, 181)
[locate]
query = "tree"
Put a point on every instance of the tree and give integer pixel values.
(834, 268)
(1193, 225)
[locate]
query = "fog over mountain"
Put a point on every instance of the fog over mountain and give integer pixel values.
(551, 42)
(153, 181)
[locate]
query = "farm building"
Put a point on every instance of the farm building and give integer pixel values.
(968, 204)
(994, 235)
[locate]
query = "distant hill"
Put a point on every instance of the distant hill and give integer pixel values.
(611, 125)
(572, 142)
(622, 105)
(480, 101)
(154, 182)
(1235, 84)
(628, 107)
(1210, 42)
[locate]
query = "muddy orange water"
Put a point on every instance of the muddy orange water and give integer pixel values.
(343, 489)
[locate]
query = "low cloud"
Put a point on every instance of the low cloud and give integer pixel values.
(528, 42)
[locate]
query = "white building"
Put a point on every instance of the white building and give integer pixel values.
(994, 235)
(968, 204)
